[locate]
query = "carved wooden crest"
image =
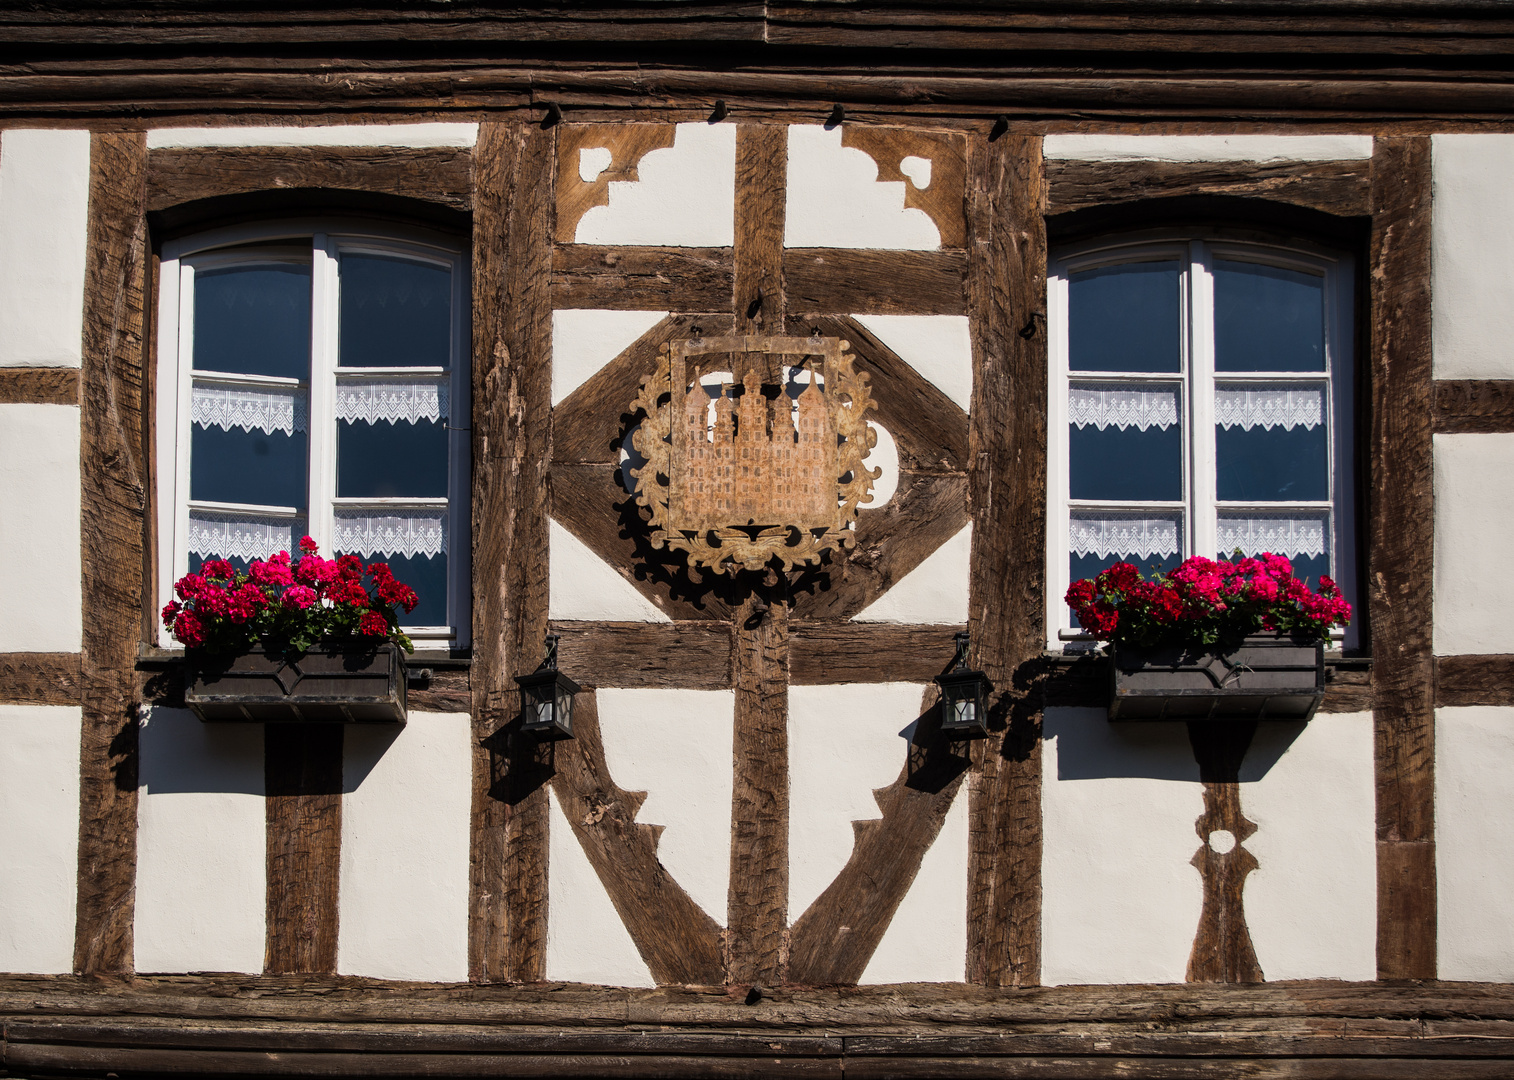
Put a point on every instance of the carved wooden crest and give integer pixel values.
(770, 467)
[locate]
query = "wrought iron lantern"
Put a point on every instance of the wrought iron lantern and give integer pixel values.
(547, 697)
(964, 697)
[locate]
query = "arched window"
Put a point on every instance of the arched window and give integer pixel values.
(313, 378)
(1201, 402)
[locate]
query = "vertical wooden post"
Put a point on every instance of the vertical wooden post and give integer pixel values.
(302, 782)
(1401, 558)
(514, 169)
(112, 474)
(1006, 606)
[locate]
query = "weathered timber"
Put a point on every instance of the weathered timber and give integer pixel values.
(627, 144)
(1401, 558)
(642, 278)
(39, 386)
(943, 198)
(1474, 680)
(40, 678)
(828, 652)
(436, 175)
(679, 941)
(302, 780)
(512, 341)
(1222, 949)
(1341, 188)
(1474, 406)
(444, 691)
(843, 282)
(1007, 439)
(113, 464)
(761, 263)
(693, 655)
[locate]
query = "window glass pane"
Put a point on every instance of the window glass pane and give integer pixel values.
(1304, 539)
(1261, 464)
(427, 575)
(240, 536)
(1125, 442)
(1267, 318)
(1152, 542)
(254, 467)
(394, 312)
(253, 320)
(1125, 318)
(386, 460)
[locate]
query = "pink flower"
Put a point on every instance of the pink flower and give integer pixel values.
(350, 567)
(1262, 587)
(188, 630)
(189, 586)
(298, 597)
(245, 603)
(273, 573)
(315, 571)
(373, 625)
(218, 568)
(308, 545)
(170, 609)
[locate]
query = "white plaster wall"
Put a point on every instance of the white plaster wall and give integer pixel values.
(927, 939)
(403, 909)
(939, 347)
(676, 746)
(1309, 788)
(685, 194)
(1474, 540)
(1474, 866)
(1472, 255)
(1120, 902)
(201, 845)
(934, 592)
(835, 198)
(1207, 147)
(458, 135)
(586, 940)
(583, 341)
(883, 459)
(40, 574)
(39, 836)
(581, 585)
(845, 742)
(44, 221)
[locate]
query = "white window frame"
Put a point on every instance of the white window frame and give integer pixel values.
(1196, 251)
(320, 241)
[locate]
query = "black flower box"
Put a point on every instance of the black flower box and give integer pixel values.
(1266, 677)
(357, 685)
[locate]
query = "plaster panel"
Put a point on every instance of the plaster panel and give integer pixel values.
(1472, 256)
(927, 939)
(939, 347)
(835, 198)
(201, 845)
(403, 912)
(845, 742)
(585, 340)
(586, 940)
(1120, 902)
(1072, 147)
(39, 836)
(418, 135)
(685, 195)
(44, 222)
(583, 586)
(676, 746)
(40, 575)
(934, 592)
(1474, 540)
(1474, 816)
(1309, 788)
(883, 458)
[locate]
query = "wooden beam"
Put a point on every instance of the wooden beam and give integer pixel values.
(1341, 188)
(1474, 406)
(1006, 600)
(1401, 528)
(693, 655)
(843, 282)
(302, 782)
(512, 380)
(39, 386)
(1474, 680)
(828, 652)
(113, 470)
(40, 678)
(642, 278)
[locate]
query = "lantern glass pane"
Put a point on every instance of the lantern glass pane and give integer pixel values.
(564, 708)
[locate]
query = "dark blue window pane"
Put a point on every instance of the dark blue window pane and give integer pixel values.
(1265, 464)
(197, 561)
(1126, 464)
(1268, 319)
(239, 466)
(386, 460)
(394, 313)
(253, 320)
(1125, 318)
(428, 577)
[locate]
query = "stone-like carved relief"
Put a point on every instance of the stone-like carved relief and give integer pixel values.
(936, 187)
(626, 145)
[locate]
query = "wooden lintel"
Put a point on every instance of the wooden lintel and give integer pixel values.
(869, 282)
(1474, 406)
(1341, 188)
(39, 386)
(827, 652)
(689, 655)
(642, 278)
(40, 678)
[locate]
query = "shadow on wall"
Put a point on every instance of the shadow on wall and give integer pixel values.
(1089, 747)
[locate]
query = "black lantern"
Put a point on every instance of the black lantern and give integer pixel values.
(547, 697)
(964, 696)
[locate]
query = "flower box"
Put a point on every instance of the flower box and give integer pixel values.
(356, 684)
(1263, 677)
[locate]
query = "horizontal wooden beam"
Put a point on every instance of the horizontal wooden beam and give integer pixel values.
(1342, 188)
(1474, 406)
(40, 678)
(1474, 680)
(39, 386)
(827, 652)
(868, 282)
(642, 278)
(690, 655)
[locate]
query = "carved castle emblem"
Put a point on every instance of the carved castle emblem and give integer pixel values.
(753, 449)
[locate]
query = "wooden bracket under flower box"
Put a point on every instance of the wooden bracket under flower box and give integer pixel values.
(353, 686)
(1266, 677)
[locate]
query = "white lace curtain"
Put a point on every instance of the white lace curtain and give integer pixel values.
(1289, 536)
(409, 533)
(1139, 408)
(265, 409)
(1268, 407)
(1122, 534)
(391, 402)
(242, 536)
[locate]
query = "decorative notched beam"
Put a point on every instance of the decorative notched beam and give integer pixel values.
(626, 144)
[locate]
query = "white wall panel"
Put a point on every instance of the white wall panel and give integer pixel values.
(39, 836)
(581, 585)
(40, 573)
(685, 195)
(44, 223)
(1474, 864)
(405, 813)
(933, 592)
(583, 341)
(458, 135)
(939, 347)
(1472, 255)
(835, 198)
(1207, 147)
(1474, 540)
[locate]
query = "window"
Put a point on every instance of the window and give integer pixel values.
(314, 380)
(1201, 401)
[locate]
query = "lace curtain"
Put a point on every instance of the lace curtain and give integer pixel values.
(391, 402)
(1120, 534)
(408, 533)
(1144, 408)
(1269, 407)
(245, 407)
(1280, 535)
(242, 536)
